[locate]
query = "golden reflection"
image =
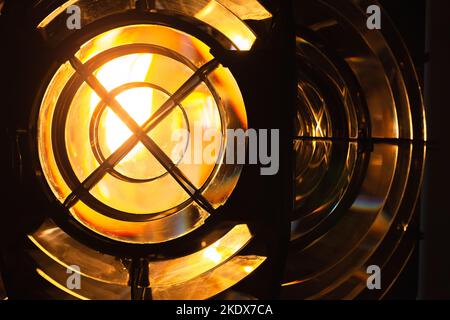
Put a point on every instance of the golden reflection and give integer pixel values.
(59, 286)
(212, 254)
(169, 279)
(223, 20)
(61, 9)
(211, 283)
(182, 269)
(225, 16)
(249, 269)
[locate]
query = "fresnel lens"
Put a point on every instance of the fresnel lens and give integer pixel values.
(130, 209)
(108, 147)
(105, 146)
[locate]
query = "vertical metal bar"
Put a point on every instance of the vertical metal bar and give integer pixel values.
(139, 279)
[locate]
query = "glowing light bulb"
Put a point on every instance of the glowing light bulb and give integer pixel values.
(137, 102)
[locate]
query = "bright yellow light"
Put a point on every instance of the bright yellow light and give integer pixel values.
(137, 102)
(249, 269)
(213, 254)
(243, 43)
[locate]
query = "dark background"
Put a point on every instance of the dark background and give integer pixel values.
(425, 28)
(434, 280)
